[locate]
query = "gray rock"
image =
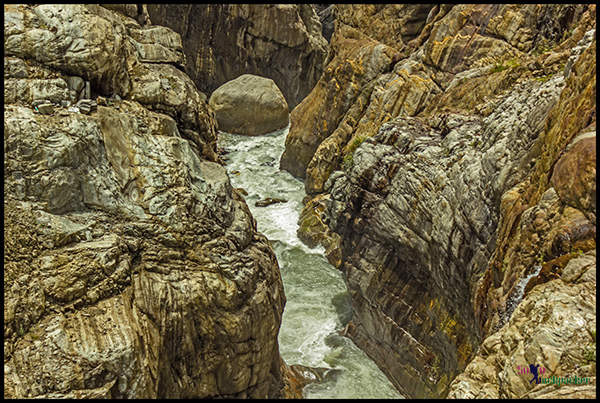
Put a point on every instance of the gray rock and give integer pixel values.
(18, 68)
(75, 83)
(124, 163)
(418, 210)
(86, 106)
(250, 105)
(45, 109)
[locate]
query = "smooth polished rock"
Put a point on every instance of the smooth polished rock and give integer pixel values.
(249, 105)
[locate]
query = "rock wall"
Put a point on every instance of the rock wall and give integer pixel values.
(449, 180)
(132, 269)
(224, 41)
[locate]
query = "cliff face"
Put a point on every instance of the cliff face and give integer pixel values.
(466, 168)
(132, 268)
(223, 41)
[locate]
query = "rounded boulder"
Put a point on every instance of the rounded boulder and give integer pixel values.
(249, 105)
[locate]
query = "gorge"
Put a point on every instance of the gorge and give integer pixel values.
(433, 224)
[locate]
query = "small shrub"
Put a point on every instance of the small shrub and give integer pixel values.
(540, 259)
(589, 354)
(349, 158)
(348, 162)
(498, 68)
(355, 143)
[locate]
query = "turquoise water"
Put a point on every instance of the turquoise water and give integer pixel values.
(318, 304)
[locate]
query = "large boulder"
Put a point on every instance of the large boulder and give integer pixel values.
(132, 269)
(223, 41)
(250, 105)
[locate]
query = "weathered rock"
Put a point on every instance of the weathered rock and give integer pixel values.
(113, 56)
(27, 91)
(391, 24)
(165, 89)
(224, 41)
(249, 105)
(132, 268)
(346, 77)
(17, 68)
(313, 231)
(326, 17)
(86, 106)
(52, 35)
(45, 109)
(417, 213)
(422, 238)
(551, 328)
(127, 320)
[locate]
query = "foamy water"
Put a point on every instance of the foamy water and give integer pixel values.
(318, 304)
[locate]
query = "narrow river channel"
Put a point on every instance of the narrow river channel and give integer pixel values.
(318, 304)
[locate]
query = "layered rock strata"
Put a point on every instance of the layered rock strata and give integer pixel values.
(282, 42)
(479, 177)
(132, 268)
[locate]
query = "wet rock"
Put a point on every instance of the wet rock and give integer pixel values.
(268, 201)
(249, 105)
(313, 231)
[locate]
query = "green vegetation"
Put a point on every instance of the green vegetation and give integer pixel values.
(504, 264)
(349, 158)
(542, 47)
(540, 259)
(589, 352)
(545, 78)
(348, 162)
(576, 253)
(511, 64)
(498, 68)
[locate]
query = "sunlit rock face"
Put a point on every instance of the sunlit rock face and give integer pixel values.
(464, 168)
(132, 269)
(282, 42)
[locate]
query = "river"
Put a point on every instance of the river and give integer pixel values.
(318, 304)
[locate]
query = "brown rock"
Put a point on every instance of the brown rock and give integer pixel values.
(268, 201)
(224, 41)
(574, 175)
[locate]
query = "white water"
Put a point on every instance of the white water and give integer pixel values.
(517, 295)
(318, 304)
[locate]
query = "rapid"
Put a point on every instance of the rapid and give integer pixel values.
(318, 304)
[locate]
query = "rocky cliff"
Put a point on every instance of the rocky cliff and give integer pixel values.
(132, 269)
(283, 42)
(453, 148)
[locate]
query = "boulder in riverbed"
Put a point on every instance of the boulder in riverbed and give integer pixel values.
(268, 201)
(250, 105)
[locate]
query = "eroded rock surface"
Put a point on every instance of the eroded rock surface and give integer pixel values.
(282, 42)
(468, 183)
(131, 268)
